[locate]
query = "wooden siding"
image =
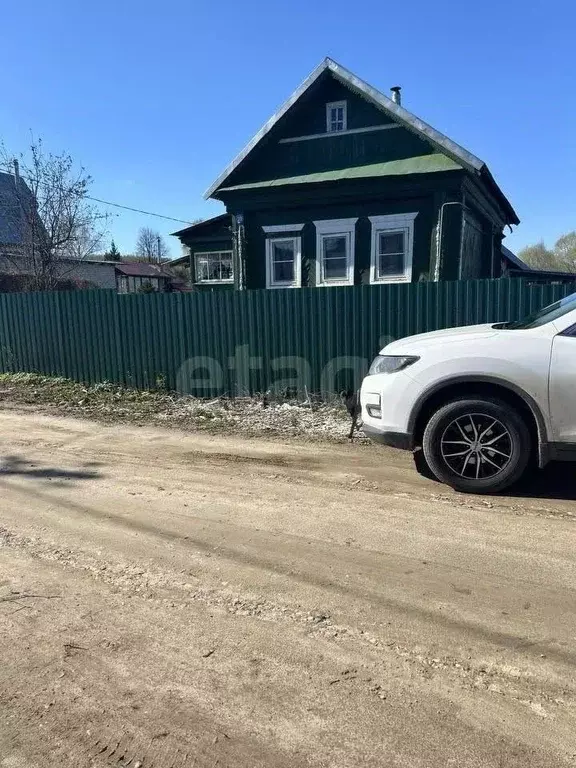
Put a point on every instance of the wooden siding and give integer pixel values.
(256, 237)
(435, 253)
(308, 116)
(272, 159)
(365, 198)
(333, 152)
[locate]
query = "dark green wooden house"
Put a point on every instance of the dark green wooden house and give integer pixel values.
(343, 186)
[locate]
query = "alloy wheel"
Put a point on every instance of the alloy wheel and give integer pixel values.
(476, 446)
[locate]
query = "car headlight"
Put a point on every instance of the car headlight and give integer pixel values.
(390, 363)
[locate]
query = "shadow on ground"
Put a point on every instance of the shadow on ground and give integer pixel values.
(555, 481)
(18, 465)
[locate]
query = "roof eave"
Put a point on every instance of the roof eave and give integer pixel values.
(200, 224)
(409, 120)
(511, 215)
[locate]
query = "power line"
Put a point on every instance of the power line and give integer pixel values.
(119, 205)
(137, 210)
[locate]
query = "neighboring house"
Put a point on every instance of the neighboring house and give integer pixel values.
(512, 266)
(344, 186)
(84, 273)
(211, 253)
(20, 225)
(15, 226)
(141, 276)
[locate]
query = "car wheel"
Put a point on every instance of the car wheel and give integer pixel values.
(477, 445)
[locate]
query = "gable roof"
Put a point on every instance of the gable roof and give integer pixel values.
(222, 218)
(398, 113)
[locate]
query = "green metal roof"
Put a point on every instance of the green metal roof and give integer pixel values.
(410, 165)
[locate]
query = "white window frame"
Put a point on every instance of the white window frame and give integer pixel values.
(336, 228)
(397, 222)
(335, 105)
(297, 241)
(203, 255)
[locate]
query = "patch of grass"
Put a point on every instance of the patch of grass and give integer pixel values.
(109, 402)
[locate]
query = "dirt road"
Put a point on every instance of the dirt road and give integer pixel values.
(173, 600)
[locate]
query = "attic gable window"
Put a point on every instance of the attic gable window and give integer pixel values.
(336, 117)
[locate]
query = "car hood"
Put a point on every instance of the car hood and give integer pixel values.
(445, 336)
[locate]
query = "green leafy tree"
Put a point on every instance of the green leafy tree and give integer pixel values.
(538, 257)
(561, 258)
(113, 254)
(565, 249)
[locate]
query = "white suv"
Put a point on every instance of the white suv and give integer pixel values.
(479, 401)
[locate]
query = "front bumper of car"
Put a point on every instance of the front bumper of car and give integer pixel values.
(387, 401)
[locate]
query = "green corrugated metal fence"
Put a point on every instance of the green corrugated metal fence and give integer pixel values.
(242, 342)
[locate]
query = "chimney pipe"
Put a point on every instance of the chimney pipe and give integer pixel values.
(396, 97)
(17, 169)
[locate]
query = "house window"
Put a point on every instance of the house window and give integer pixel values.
(335, 241)
(214, 267)
(392, 245)
(336, 118)
(283, 257)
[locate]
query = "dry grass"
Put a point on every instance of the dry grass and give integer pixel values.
(112, 403)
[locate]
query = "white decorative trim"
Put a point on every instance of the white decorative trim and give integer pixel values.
(343, 105)
(297, 282)
(396, 222)
(373, 96)
(334, 227)
(203, 254)
(329, 224)
(283, 228)
(331, 134)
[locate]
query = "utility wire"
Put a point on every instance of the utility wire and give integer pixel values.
(118, 205)
(137, 210)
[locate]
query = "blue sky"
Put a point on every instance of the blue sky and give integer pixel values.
(154, 99)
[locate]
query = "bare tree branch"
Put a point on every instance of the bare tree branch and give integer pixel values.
(151, 246)
(54, 220)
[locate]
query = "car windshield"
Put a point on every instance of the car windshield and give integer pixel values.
(543, 316)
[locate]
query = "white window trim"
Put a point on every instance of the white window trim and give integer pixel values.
(296, 283)
(393, 223)
(203, 254)
(334, 227)
(283, 228)
(331, 105)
